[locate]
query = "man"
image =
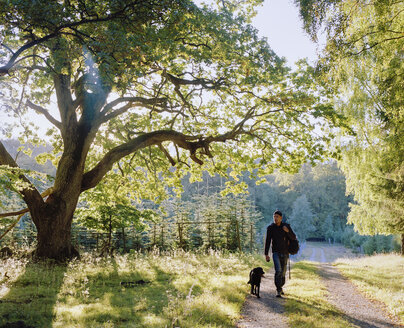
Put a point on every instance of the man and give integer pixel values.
(279, 234)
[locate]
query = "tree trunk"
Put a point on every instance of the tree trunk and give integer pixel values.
(124, 239)
(53, 220)
(54, 237)
(110, 234)
(402, 244)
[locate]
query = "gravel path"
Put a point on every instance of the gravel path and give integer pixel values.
(318, 255)
(266, 311)
(343, 295)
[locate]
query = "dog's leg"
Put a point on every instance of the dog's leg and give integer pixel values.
(252, 289)
(258, 291)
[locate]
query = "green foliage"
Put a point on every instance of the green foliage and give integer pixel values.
(105, 217)
(107, 208)
(324, 187)
(208, 65)
(213, 221)
(328, 228)
(301, 218)
(379, 244)
(362, 64)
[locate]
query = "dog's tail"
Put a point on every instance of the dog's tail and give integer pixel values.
(250, 281)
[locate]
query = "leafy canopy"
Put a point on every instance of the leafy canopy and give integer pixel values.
(147, 85)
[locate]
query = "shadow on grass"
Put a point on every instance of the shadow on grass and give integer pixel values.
(139, 303)
(33, 295)
(160, 300)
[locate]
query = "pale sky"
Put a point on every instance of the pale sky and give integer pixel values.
(279, 22)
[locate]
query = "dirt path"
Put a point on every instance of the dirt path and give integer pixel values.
(318, 255)
(268, 311)
(343, 295)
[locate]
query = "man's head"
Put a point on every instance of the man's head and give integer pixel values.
(277, 217)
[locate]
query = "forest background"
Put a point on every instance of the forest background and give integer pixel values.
(314, 201)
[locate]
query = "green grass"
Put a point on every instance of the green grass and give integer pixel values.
(182, 289)
(380, 277)
(306, 303)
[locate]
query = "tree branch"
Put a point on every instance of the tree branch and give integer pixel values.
(65, 102)
(12, 226)
(20, 214)
(208, 84)
(373, 45)
(132, 102)
(32, 67)
(191, 143)
(23, 211)
(7, 47)
(165, 151)
(30, 195)
(43, 111)
(145, 101)
(5, 68)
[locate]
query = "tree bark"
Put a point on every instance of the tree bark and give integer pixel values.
(124, 239)
(54, 236)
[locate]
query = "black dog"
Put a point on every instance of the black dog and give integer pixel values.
(255, 280)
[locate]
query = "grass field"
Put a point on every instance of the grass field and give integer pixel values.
(380, 277)
(180, 289)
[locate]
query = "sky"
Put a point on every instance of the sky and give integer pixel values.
(279, 22)
(276, 20)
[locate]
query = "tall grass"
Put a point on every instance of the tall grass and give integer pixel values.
(380, 277)
(177, 289)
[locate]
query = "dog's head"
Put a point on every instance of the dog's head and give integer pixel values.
(258, 271)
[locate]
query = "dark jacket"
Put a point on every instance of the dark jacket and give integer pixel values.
(279, 238)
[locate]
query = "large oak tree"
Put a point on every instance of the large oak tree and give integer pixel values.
(147, 90)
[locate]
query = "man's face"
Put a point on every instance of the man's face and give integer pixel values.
(277, 219)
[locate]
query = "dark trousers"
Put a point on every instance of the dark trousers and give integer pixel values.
(280, 263)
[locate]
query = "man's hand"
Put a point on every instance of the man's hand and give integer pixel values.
(285, 228)
(267, 258)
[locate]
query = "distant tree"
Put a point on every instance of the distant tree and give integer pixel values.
(370, 245)
(301, 218)
(362, 64)
(328, 229)
(324, 186)
(141, 86)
